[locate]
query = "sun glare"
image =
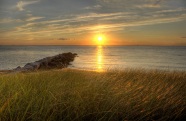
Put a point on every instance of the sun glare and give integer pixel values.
(100, 40)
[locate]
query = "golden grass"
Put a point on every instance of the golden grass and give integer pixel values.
(85, 95)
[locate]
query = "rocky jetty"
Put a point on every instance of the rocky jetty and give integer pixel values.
(54, 62)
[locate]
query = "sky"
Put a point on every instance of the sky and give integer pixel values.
(79, 22)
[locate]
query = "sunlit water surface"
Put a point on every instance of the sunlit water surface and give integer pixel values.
(99, 57)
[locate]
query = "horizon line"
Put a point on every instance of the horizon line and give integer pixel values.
(93, 45)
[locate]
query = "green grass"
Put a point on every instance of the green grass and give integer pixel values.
(85, 95)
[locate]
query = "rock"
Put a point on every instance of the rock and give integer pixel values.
(36, 65)
(54, 62)
(18, 68)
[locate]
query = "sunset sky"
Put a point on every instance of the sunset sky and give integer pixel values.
(80, 22)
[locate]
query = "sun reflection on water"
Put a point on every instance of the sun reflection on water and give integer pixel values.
(99, 58)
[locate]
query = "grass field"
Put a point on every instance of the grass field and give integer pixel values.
(78, 95)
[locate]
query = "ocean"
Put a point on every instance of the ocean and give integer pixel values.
(100, 58)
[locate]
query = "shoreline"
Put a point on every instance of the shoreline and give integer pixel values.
(94, 70)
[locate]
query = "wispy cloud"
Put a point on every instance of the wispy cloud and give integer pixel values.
(96, 7)
(63, 38)
(148, 6)
(170, 11)
(157, 2)
(32, 28)
(86, 23)
(21, 4)
(9, 20)
(33, 18)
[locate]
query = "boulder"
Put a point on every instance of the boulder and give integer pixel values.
(54, 62)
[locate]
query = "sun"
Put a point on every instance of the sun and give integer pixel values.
(100, 39)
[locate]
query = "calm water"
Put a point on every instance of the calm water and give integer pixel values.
(99, 57)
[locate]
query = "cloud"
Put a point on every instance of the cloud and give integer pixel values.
(9, 20)
(33, 18)
(157, 2)
(169, 11)
(148, 6)
(21, 4)
(131, 5)
(86, 23)
(107, 18)
(63, 38)
(96, 7)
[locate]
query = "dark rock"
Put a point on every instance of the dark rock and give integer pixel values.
(54, 62)
(18, 68)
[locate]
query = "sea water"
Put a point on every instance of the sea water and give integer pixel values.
(100, 57)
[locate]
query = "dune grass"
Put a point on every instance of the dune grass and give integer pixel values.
(91, 96)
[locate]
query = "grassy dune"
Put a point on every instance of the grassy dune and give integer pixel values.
(84, 95)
